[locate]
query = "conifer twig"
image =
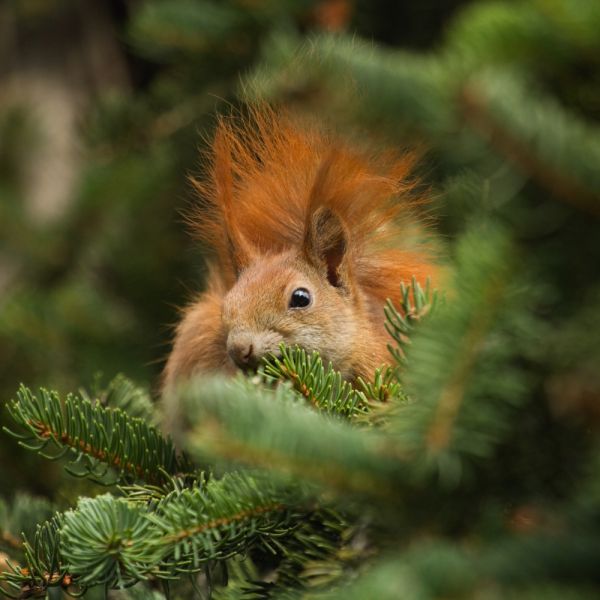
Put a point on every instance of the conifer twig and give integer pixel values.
(323, 387)
(104, 437)
(415, 304)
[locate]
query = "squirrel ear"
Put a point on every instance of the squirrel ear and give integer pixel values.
(239, 252)
(325, 244)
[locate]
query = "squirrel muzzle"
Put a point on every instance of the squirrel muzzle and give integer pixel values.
(247, 348)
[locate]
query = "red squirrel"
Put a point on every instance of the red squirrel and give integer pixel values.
(310, 237)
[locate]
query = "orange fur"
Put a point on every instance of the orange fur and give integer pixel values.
(268, 178)
(269, 164)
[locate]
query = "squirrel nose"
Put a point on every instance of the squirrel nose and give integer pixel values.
(242, 353)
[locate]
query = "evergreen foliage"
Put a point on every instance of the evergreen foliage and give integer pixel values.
(469, 466)
(323, 388)
(97, 438)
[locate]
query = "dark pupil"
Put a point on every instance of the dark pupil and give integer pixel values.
(300, 298)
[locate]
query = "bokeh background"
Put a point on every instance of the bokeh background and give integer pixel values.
(106, 106)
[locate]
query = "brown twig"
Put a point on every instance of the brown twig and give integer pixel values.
(244, 514)
(45, 432)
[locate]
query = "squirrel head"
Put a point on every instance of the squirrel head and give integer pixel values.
(303, 297)
(310, 234)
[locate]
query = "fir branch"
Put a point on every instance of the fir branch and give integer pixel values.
(104, 541)
(415, 304)
(393, 84)
(492, 33)
(385, 395)
(461, 374)
(385, 392)
(320, 552)
(524, 138)
(271, 429)
(42, 566)
(114, 542)
(323, 388)
(121, 392)
(323, 553)
(223, 518)
(383, 387)
(97, 438)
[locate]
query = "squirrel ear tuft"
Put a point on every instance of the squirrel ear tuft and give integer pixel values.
(325, 238)
(325, 245)
(239, 252)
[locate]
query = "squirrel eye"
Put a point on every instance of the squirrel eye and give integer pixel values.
(300, 298)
